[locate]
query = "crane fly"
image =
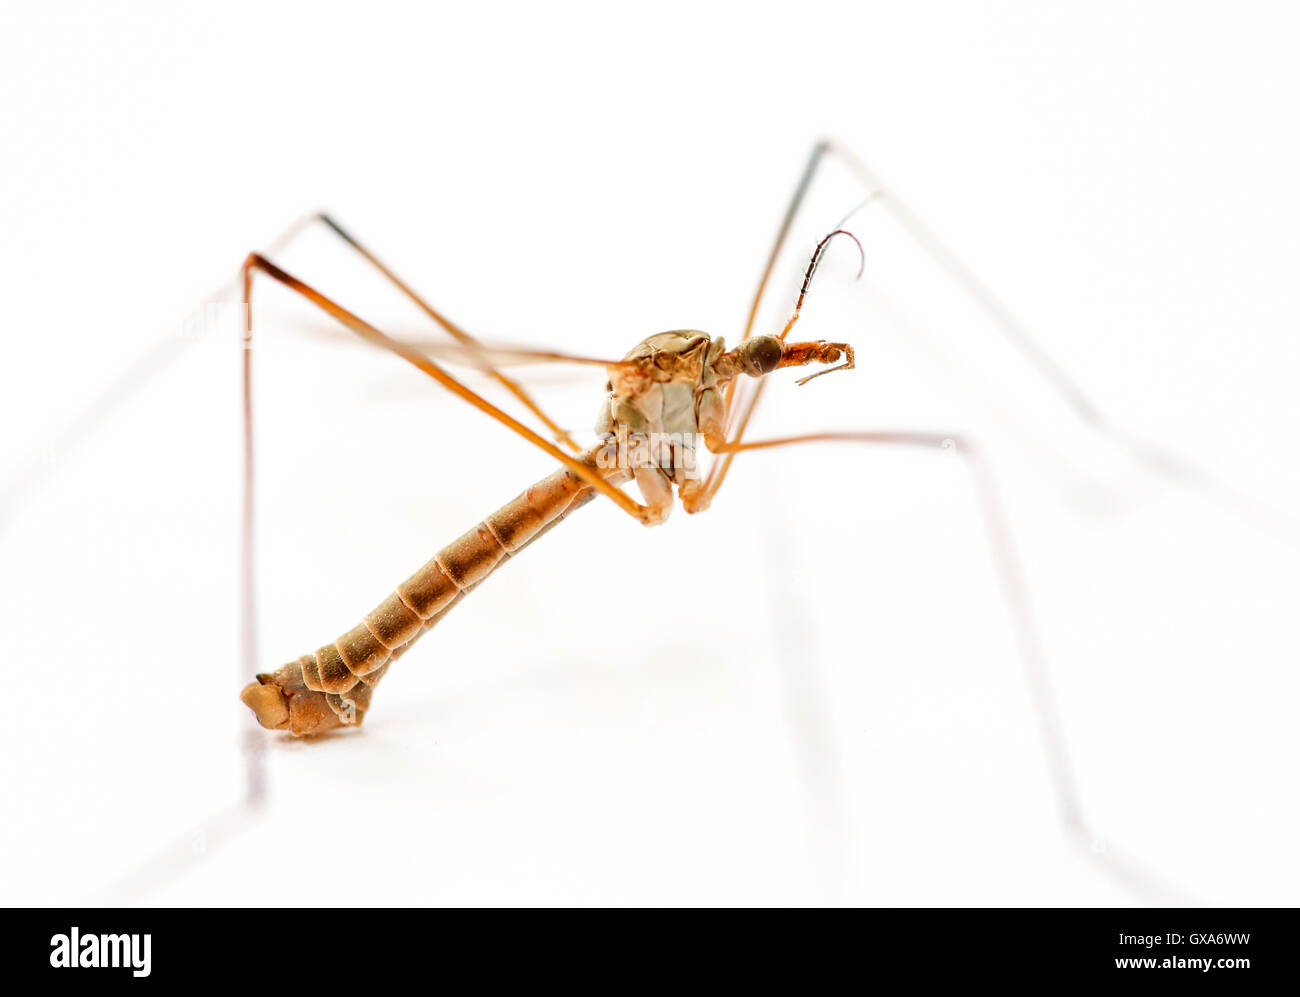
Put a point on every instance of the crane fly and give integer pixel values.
(674, 396)
(676, 412)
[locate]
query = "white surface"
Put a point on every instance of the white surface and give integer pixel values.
(809, 694)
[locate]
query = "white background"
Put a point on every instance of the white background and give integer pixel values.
(808, 695)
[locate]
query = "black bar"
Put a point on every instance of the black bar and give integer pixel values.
(325, 948)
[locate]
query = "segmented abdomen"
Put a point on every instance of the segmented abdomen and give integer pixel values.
(332, 687)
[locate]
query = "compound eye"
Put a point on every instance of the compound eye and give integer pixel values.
(760, 355)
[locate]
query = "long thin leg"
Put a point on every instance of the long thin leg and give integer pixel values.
(17, 490)
(739, 414)
(1011, 577)
(1157, 459)
(646, 514)
(229, 822)
(497, 354)
(1015, 590)
(248, 621)
(472, 345)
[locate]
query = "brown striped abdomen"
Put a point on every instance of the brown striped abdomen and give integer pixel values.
(332, 687)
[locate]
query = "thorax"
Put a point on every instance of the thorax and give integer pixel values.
(660, 392)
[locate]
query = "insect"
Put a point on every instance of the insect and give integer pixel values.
(285, 700)
(681, 386)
